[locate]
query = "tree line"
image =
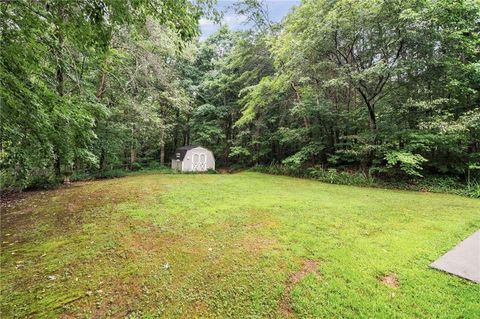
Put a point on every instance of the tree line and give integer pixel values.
(386, 87)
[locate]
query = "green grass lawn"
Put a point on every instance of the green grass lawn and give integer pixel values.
(245, 245)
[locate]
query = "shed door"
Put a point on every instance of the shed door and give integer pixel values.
(203, 163)
(195, 162)
(199, 162)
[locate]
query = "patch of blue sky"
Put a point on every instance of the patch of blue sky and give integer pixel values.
(277, 10)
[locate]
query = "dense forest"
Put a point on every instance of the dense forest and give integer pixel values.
(385, 88)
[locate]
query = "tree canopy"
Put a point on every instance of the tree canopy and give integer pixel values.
(387, 87)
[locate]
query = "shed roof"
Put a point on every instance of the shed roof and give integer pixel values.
(182, 151)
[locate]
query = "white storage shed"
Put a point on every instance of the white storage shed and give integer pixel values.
(193, 158)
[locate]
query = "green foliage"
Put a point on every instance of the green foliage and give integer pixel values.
(110, 174)
(409, 163)
(389, 88)
(57, 72)
(305, 154)
(434, 183)
(370, 84)
(157, 169)
(331, 175)
(334, 176)
(114, 173)
(473, 190)
(212, 171)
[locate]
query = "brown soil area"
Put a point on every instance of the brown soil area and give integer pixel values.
(390, 280)
(308, 267)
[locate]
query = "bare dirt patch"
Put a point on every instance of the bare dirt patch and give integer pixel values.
(256, 244)
(115, 299)
(199, 308)
(390, 280)
(308, 267)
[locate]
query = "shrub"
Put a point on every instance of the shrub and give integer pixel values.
(437, 184)
(331, 175)
(135, 166)
(82, 176)
(42, 181)
(159, 169)
(334, 176)
(110, 174)
(409, 163)
(473, 190)
(37, 178)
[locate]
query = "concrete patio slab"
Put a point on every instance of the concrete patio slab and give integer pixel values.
(463, 260)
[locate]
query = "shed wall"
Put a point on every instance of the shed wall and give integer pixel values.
(177, 165)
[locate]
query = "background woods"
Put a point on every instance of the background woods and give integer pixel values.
(388, 88)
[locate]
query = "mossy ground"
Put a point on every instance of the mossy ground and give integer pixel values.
(215, 246)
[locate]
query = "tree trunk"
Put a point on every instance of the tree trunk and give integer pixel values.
(102, 159)
(372, 117)
(133, 156)
(60, 65)
(59, 75)
(133, 150)
(255, 138)
(101, 84)
(371, 110)
(57, 165)
(186, 134)
(162, 146)
(177, 125)
(299, 99)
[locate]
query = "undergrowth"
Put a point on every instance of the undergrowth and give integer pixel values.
(436, 184)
